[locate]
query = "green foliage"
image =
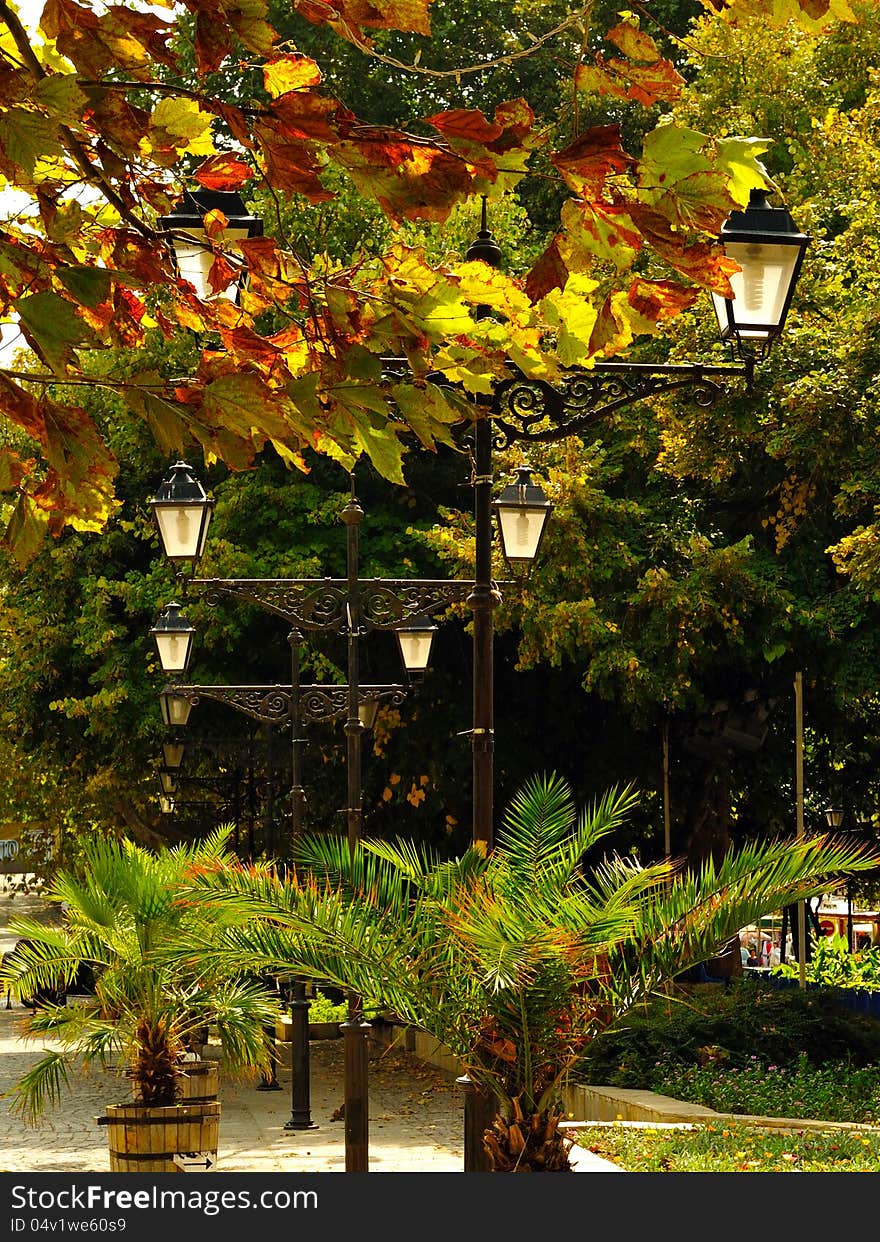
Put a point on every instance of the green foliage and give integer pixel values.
(733, 1148)
(734, 1024)
(831, 965)
(121, 919)
(835, 1091)
(323, 1009)
(515, 961)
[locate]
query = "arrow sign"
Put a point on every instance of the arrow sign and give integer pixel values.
(194, 1161)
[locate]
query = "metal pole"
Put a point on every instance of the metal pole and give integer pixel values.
(300, 1087)
(480, 1109)
(667, 828)
(479, 1113)
(354, 1029)
(799, 793)
(483, 599)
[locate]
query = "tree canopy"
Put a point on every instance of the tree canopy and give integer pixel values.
(108, 114)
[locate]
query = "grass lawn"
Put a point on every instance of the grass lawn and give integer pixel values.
(732, 1148)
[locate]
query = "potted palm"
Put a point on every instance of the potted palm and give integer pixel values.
(514, 961)
(122, 917)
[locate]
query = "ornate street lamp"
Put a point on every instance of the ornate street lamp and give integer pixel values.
(834, 816)
(175, 708)
(368, 710)
(182, 511)
(522, 510)
(765, 242)
(193, 251)
(168, 781)
(414, 640)
(172, 754)
(173, 635)
(166, 804)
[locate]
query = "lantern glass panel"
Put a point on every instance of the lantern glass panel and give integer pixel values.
(172, 754)
(174, 649)
(175, 709)
(195, 259)
(760, 290)
(415, 648)
(521, 530)
(183, 529)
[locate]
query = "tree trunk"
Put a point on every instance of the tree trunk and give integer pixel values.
(709, 837)
(528, 1145)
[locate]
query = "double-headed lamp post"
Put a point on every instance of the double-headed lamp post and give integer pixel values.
(351, 607)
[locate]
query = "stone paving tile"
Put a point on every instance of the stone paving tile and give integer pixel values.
(415, 1116)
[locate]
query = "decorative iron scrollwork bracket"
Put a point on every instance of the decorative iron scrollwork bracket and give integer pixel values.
(320, 603)
(276, 705)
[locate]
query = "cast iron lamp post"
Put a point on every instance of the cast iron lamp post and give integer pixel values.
(352, 607)
(770, 250)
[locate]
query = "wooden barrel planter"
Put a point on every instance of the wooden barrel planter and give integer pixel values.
(145, 1139)
(199, 1082)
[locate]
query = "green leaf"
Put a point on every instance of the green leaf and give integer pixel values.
(60, 95)
(89, 285)
(738, 157)
(27, 137)
(427, 411)
(54, 328)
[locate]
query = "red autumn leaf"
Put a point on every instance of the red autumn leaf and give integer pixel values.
(550, 272)
(703, 262)
(221, 273)
(223, 172)
(214, 222)
(660, 299)
(290, 165)
(468, 124)
(586, 162)
(351, 16)
(305, 114)
(659, 82)
(120, 124)
(213, 42)
(409, 180)
(244, 343)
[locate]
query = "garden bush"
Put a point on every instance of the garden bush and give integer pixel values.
(749, 1019)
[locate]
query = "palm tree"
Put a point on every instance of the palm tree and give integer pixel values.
(514, 961)
(120, 918)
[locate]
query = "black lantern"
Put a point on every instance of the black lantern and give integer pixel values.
(192, 249)
(166, 804)
(834, 816)
(175, 708)
(522, 510)
(182, 510)
(368, 710)
(766, 244)
(172, 754)
(173, 635)
(168, 781)
(414, 639)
